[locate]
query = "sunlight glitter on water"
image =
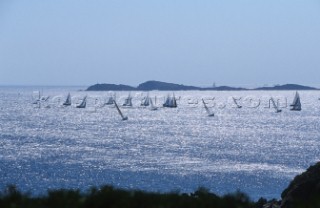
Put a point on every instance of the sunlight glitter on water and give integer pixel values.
(252, 149)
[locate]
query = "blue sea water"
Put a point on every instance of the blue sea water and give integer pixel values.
(252, 149)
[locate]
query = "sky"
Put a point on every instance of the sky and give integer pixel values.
(198, 42)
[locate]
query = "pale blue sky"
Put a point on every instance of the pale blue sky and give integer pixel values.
(230, 42)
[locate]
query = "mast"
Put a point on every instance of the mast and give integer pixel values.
(235, 102)
(275, 106)
(118, 109)
(207, 109)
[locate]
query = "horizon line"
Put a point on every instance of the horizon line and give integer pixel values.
(200, 86)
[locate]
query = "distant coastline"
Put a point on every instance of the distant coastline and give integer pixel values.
(164, 86)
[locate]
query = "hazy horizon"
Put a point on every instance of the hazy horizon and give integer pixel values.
(80, 43)
(244, 86)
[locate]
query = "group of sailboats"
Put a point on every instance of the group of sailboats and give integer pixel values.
(170, 102)
(83, 103)
(147, 101)
(295, 106)
(110, 101)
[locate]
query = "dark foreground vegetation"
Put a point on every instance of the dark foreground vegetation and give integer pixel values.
(108, 196)
(303, 192)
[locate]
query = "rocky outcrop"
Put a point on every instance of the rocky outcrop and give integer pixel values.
(304, 190)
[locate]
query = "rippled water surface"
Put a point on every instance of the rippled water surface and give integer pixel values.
(252, 149)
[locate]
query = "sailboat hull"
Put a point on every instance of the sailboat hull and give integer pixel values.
(169, 106)
(295, 109)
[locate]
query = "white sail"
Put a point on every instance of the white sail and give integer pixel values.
(167, 102)
(170, 102)
(296, 104)
(152, 106)
(68, 100)
(110, 101)
(128, 101)
(83, 104)
(146, 101)
(119, 111)
(174, 102)
(207, 109)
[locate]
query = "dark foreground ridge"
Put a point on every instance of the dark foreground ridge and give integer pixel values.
(108, 196)
(303, 192)
(164, 86)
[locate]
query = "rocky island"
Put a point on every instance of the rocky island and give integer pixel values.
(164, 86)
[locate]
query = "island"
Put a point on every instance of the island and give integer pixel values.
(165, 86)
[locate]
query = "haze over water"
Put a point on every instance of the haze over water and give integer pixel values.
(252, 149)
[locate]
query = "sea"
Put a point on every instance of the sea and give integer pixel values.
(246, 146)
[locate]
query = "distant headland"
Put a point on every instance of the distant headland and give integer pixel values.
(164, 86)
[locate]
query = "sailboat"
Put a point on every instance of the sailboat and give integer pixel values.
(83, 104)
(152, 106)
(119, 111)
(110, 100)
(296, 104)
(146, 101)
(170, 102)
(40, 99)
(128, 101)
(275, 106)
(210, 114)
(68, 100)
(235, 102)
